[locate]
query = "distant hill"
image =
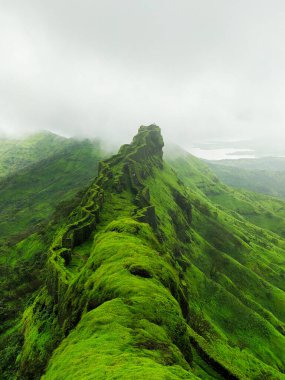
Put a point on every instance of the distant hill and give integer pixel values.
(31, 192)
(275, 164)
(17, 154)
(266, 175)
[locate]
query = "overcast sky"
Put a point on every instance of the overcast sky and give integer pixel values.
(201, 69)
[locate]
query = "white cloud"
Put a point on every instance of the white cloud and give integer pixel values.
(199, 69)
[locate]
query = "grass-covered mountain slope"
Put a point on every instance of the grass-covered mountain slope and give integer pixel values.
(270, 182)
(30, 195)
(18, 154)
(158, 273)
(264, 211)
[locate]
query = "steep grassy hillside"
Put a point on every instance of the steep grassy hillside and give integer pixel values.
(153, 277)
(30, 195)
(18, 154)
(263, 211)
(260, 181)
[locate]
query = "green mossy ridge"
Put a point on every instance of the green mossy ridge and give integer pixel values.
(129, 319)
(82, 222)
(121, 172)
(115, 182)
(220, 274)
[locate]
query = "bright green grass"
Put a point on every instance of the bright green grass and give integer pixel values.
(136, 330)
(264, 211)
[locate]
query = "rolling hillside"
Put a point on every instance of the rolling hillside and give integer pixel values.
(29, 195)
(267, 181)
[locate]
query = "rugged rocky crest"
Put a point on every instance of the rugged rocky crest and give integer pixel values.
(126, 277)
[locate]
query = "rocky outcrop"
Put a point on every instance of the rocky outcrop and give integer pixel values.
(125, 171)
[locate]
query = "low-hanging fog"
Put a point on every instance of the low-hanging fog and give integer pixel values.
(202, 70)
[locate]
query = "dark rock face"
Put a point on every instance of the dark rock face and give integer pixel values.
(147, 215)
(139, 271)
(149, 141)
(184, 204)
(146, 145)
(138, 160)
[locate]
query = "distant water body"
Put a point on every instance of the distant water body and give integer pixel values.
(222, 153)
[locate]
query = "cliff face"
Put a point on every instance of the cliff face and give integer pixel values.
(150, 280)
(146, 145)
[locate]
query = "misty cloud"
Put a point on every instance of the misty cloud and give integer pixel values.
(199, 69)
